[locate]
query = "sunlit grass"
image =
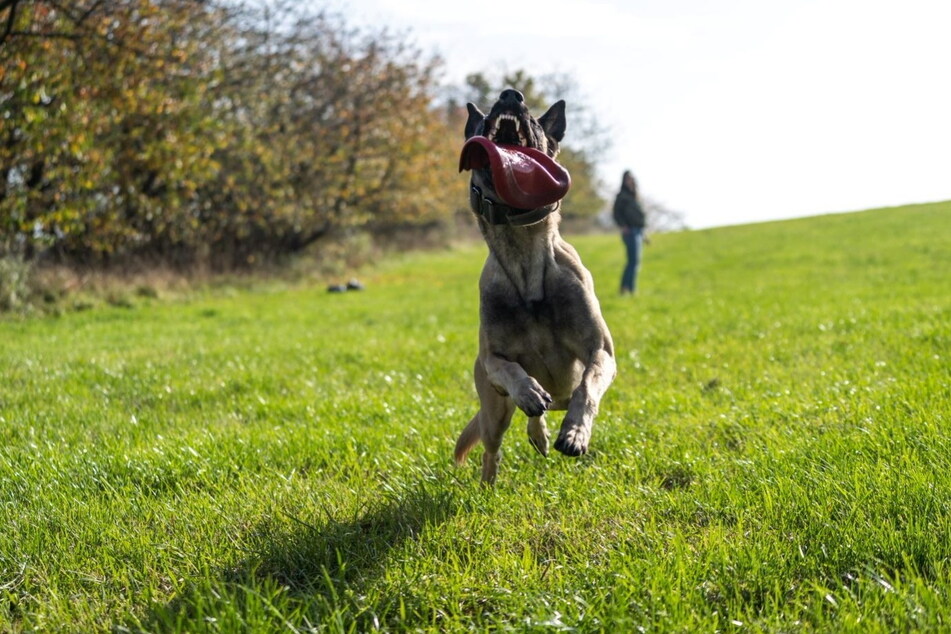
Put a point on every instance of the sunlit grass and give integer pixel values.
(774, 454)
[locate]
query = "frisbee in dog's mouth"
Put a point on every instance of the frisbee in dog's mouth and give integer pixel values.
(523, 177)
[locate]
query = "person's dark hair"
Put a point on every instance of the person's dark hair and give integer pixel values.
(632, 189)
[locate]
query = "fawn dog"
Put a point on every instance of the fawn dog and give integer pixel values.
(543, 344)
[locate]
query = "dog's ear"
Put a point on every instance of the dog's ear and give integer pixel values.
(475, 120)
(553, 121)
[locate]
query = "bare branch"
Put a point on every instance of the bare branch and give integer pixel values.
(11, 18)
(52, 35)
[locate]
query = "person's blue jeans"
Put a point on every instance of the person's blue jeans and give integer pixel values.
(632, 242)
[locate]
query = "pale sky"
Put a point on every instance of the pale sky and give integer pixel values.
(730, 111)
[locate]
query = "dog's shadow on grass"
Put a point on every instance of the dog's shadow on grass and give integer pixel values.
(351, 551)
(320, 566)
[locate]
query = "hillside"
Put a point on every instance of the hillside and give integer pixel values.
(774, 454)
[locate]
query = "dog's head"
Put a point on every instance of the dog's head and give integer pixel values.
(510, 123)
(511, 155)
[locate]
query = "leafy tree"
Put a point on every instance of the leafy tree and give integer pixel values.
(332, 129)
(212, 130)
(105, 130)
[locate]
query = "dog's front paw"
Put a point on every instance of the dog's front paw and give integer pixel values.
(573, 440)
(532, 397)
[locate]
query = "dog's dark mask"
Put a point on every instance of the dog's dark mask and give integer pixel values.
(510, 123)
(511, 154)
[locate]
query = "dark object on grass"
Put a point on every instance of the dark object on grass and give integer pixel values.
(352, 285)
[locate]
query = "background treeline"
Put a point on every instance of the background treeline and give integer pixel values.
(208, 130)
(226, 133)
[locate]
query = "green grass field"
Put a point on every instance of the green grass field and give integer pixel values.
(773, 456)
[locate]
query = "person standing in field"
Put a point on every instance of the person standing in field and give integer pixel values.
(629, 216)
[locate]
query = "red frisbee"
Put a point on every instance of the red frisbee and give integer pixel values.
(523, 177)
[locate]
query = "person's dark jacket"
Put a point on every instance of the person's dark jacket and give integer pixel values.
(627, 210)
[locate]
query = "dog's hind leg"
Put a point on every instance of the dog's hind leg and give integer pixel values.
(495, 416)
(494, 424)
(538, 434)
(538, 430)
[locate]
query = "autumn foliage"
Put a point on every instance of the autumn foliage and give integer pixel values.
(208, 131)
(223, 132)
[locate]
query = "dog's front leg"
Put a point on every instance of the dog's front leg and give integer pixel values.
(576, 428)
(511, 378)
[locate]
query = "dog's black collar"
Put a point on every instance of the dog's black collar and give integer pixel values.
(496, 213)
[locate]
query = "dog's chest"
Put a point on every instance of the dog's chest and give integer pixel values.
(541, 336)
(522, 269)
(537, 322)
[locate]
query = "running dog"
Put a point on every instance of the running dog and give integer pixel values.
(543, 344)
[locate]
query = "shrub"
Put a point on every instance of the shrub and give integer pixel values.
(15, 288)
